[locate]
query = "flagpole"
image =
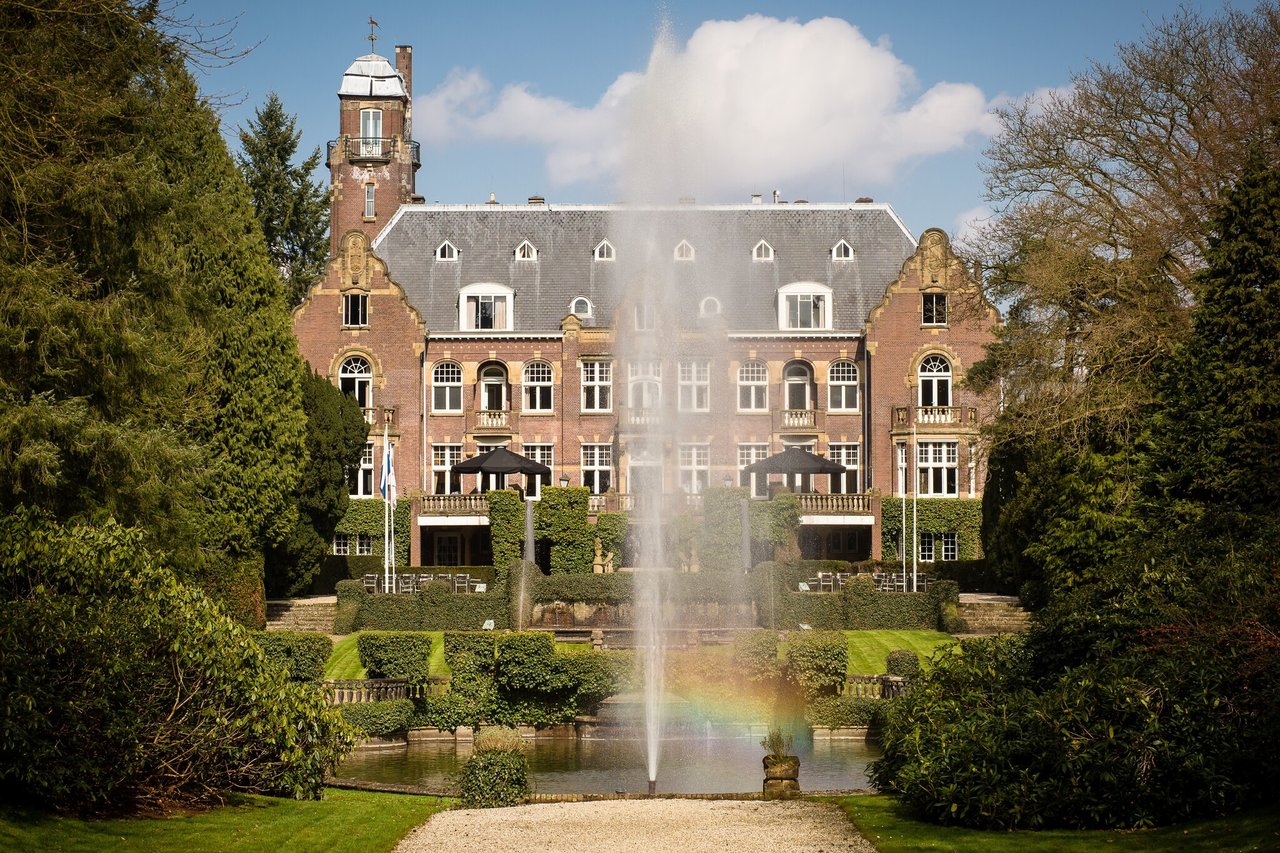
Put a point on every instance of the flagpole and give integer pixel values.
(386, 513)
(915, 491)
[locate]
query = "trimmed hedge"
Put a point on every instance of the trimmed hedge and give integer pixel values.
(350, 594)
(496, 775)
(902, 662)
(301, 654)
(527, 662)
(817, 662)
(435, 609)
(595, 589)
(561, 518)
(755, 656)
(844, 712)
(396, 654)
(480, 645)
(378, 719)
(868, 608)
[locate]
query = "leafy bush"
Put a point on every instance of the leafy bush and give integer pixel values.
(527, 662)
(902, 662)
(844, 712)
(497, 773)
(378, 719)
(471, 699)
(481, 645)
(350, 595)
(303, 654)
(595, 589)
(396, 654)
(122, 688)
(817, 662)
(755, 656)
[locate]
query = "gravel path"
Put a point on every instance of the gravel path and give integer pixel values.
(642, 826)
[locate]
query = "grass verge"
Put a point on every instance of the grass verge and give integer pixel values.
(867, 649)
(887, 826)
(354, 821)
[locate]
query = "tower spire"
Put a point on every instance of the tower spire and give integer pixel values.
(373, 35)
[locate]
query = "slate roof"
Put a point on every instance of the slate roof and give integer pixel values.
(723, 238)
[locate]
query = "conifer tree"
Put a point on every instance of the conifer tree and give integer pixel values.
(292, 208)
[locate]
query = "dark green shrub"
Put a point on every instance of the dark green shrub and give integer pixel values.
(817, 662)
(122, 688)
(902, 662)
(561, 518)
(844, 712)
(480, 645)
(497, 773)
(595, 589)
(755, 656)
(378, 719)
(302, 654)
(527, 662)
(396, 654)
(350, 596)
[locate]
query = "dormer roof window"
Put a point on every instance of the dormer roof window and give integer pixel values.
(446, 251)
(604, 251)
(762, 252)
(842, 251)
(526, 251)
(684, 251)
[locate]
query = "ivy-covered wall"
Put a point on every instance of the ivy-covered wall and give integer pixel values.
(932, 515)
(506, 526)
(561, 519)
(365, 515)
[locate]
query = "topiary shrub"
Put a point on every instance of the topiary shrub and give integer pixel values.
(123, 689)
(817, 662)
(350, 595)
(903, 662)
(396, 654)
(302, 654)
(497, 773)
(378, 719)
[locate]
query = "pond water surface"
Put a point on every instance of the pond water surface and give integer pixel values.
(690, 765)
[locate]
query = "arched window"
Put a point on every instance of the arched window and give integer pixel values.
(604, 251)
(355, 377)
(842, 386)
(710, 307)
(580, 307)
(798, 381)
(493, 387)
(762, 252)
(446, 387)
(753, 387)
(446, 251)
(935, 385)
(684, 251)
(537, 387)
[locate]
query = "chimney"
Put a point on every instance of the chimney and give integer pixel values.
(756, 198)
(777, 194)
(404, 65)
(493, 198)
(866, 199)
(537, 199)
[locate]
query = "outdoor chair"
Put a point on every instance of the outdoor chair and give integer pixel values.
(462, 583)
(826, 582)
(370, 582)
(406, 583)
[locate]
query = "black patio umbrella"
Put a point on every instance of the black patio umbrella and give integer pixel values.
(795, 460)
(502, 461)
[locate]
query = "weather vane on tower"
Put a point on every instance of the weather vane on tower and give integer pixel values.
(373, 36)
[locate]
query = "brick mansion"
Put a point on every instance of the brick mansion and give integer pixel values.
(460, 328)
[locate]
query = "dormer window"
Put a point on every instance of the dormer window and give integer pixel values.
(762, 252)
(684, 251)
(604, 251)
(842, 251)
(526, 251)
(485, 307)
(580, 307)
(804, 306)
(710, 307)
(447, 252)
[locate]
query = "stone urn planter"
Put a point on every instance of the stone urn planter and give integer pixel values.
(781, 775)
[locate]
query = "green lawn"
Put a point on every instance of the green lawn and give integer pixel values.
(344, 660)
(882, 821)
(868, 648)
(344, 820)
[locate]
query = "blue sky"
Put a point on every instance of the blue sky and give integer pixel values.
(890, 101)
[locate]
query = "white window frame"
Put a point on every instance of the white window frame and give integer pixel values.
(846, 453)
(470, 299)
(446, 388)
(934, 382)
(842, 251)
(762, 252)
(493, 375)
(370, 201)
(925, 550)
(443, 458)
(750, 453)
(604, 251)
(364, 544)
(684, 251)
(355, 310)
(371, 132)
(804, 306)
(360, 480)
(597, 385)
(710, 307)
(798, 374)
(341, 545)
(645, 317)
(694, 377)
(597, 467)
(842, 384)
(580, 306)
(695, 468)
(355, 377)
(753, 379)
(644, 385)
(538, 379)
(546, 454)
(446, 251)
(929, 317)
(937, 469)
(526, 251)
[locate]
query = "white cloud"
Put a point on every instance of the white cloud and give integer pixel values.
(970, 224)
(746, 105)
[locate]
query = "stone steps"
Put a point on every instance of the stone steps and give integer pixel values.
(993, 614)
(301, 615)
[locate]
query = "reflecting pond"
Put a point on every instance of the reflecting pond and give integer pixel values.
(690, 765)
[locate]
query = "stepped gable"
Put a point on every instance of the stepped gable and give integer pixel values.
(723, 238)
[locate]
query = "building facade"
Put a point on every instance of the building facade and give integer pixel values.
(639, 350)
